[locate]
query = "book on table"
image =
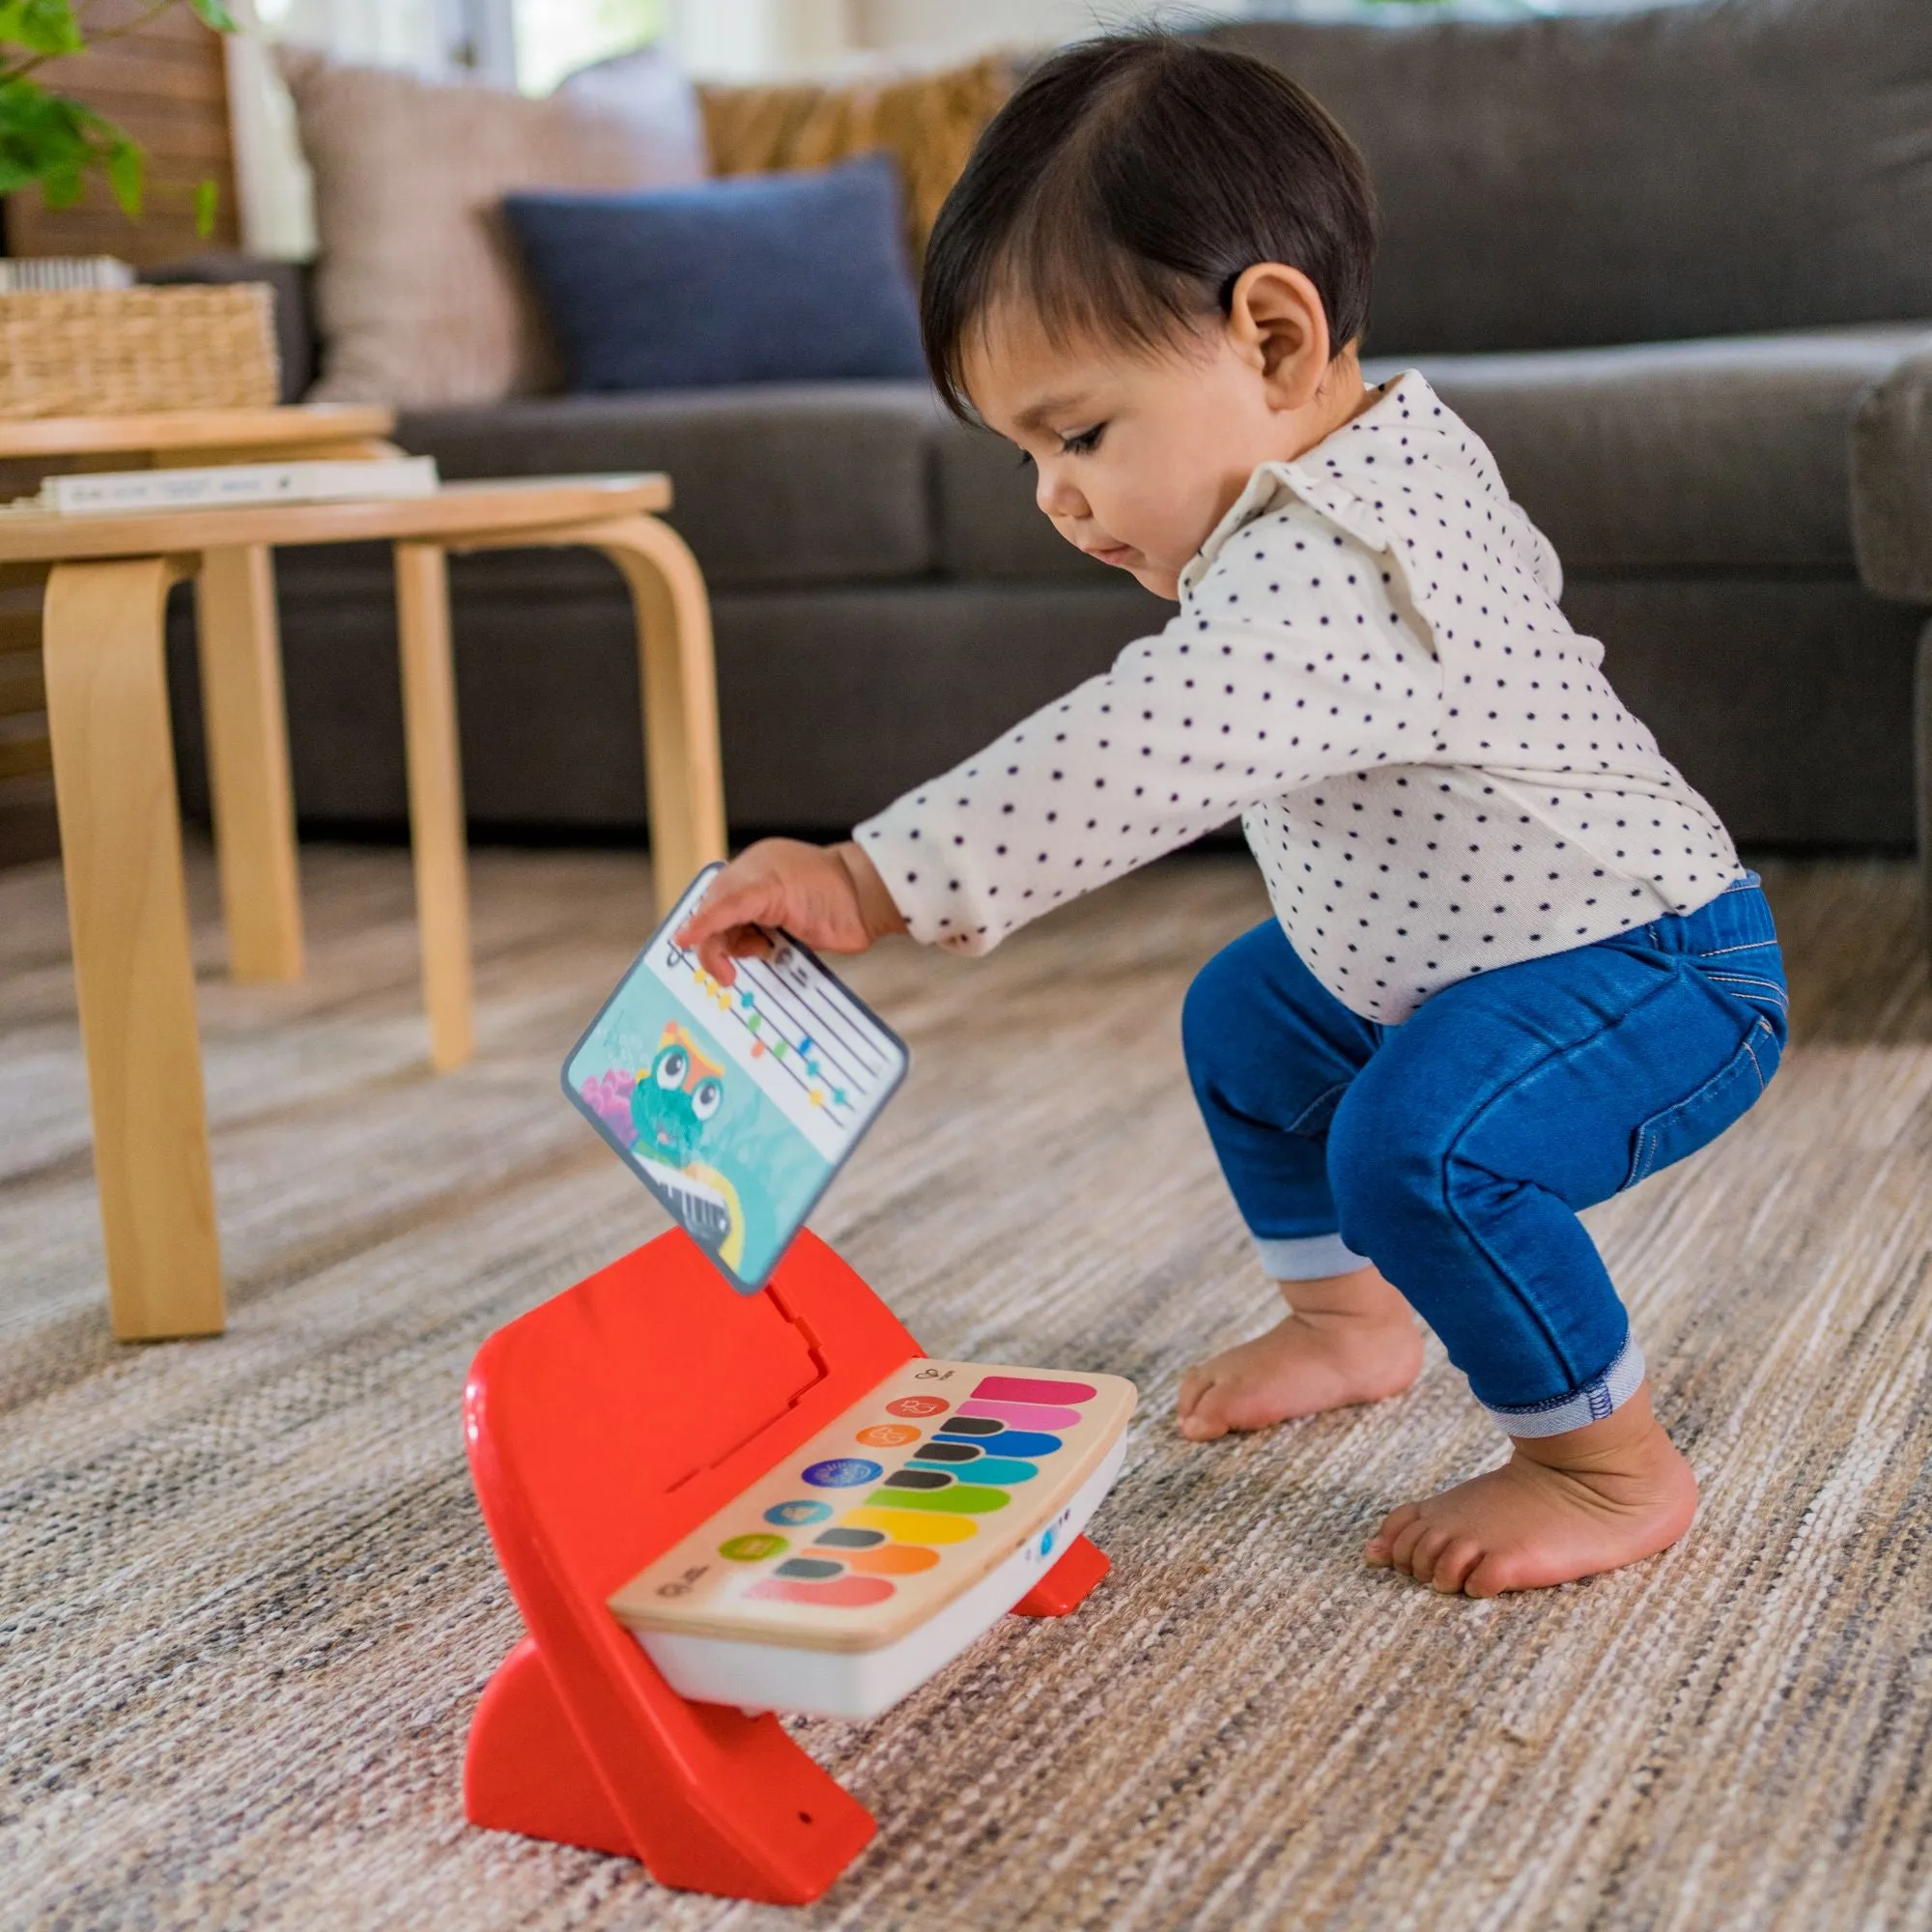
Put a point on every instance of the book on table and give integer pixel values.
(234, 485)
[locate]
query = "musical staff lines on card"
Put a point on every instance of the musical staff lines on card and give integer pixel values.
(786, 1018)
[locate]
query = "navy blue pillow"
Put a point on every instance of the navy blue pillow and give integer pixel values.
(755, 278)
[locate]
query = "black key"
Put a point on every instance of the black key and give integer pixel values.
(849, 1539)
(807, 1569)
(918, 1479)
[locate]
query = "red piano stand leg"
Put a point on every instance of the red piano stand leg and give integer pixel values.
(738, 1810)
(527, 1772)
(1067, 1585)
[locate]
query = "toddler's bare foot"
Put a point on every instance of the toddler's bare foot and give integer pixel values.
(1561, 1507)
(1349, 1338)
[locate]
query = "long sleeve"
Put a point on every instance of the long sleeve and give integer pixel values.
(1294, 657)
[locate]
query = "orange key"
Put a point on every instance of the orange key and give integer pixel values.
(890, 1559)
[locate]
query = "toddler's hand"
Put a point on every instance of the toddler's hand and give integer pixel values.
(831, 896)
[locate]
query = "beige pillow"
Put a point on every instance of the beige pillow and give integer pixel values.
(419, 294)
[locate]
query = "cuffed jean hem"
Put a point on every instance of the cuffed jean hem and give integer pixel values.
(1309, 1258)
(1591, 1403)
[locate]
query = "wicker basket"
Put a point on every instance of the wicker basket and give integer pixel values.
(123, 351)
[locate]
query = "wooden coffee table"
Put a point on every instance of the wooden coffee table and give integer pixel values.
(114, 782)
(236, 634)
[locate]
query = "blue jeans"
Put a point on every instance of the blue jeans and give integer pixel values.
(1453, 1150)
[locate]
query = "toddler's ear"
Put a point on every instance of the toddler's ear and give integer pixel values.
(1276, 318)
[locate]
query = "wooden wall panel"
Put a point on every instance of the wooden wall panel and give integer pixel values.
(166, 84)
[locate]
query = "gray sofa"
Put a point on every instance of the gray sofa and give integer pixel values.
(1675, 268)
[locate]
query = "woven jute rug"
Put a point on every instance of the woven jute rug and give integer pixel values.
(248, 1604)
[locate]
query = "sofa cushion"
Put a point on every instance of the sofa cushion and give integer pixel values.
(418, 290)
(926, 118)
(1891, 480)
(818, 483)
(1711, 169)
(794, 277)
(1725, 455)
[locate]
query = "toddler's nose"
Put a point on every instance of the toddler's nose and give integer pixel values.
(1058, 497)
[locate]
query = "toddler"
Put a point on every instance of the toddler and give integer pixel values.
(1514, 965)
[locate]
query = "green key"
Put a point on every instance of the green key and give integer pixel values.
(961, 1499)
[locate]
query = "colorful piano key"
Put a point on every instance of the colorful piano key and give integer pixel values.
(1031, 1388)
(1021, 1414)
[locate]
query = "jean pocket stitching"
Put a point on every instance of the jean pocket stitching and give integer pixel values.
(1757, 1066)
(1767, 988)
(1719, 951)
(1650, 1134)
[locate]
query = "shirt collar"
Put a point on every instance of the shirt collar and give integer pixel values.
(1340, 476)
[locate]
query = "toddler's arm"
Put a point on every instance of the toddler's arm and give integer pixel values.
(1293, 658)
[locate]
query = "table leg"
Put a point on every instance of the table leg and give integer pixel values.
(436, 800)
(248, 763)
(680, 694)
(1922, 770)
(114, 781)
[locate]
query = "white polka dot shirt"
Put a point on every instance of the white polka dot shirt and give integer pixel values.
(1371, 667)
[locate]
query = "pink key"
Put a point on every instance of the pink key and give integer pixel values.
(842, 1593)
(1023, 1415)
(1031, 1388)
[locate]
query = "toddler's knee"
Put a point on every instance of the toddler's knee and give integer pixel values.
(1217, 1017)
(1388, 1170)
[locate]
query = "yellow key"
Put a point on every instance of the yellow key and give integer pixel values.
(925, 1526)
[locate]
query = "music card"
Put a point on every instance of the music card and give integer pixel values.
(735, 1105)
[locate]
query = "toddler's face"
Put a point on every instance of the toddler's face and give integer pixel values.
(1139, 455)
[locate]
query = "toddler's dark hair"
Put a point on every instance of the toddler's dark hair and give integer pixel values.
(1126, 187)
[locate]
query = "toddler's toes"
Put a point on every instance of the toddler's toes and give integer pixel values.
(1381, 1549)
(1402, 1553)
(1492, 1575)
(1196, 1410)
(1452, 1568)
(1429, 1547)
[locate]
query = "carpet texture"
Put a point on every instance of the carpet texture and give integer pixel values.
(247, 1603)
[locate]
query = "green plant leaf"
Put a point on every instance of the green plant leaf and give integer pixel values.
(206, 201)
(57, 142)
(127, 175)
(60, 187)
(40, 26)
(48, 138)
(39, 131)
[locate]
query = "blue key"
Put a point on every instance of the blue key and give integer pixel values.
(999, 1469)
(1010, 1442)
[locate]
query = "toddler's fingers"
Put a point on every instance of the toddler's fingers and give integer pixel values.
(716, 952)
(726, 907)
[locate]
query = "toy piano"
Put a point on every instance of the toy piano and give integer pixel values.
(711, 1504)
(874, 1555)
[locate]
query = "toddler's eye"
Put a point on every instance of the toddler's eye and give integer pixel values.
(1083, 445)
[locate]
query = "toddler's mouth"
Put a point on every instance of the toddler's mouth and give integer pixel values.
(1116, 555)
